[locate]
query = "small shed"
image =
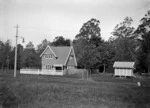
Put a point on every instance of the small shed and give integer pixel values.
(123, 68)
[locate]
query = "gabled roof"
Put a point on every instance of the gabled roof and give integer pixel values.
(61, 53)
(46, 50)
(119, 64)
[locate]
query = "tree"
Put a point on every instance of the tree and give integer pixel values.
(123, 30)
(19, 57)
(123, 34)
(30, 56)
(1, 54)
(30, 45)
(61, 41)
(88, 58)
(143, 36)
(110, 55)
(106, 57)
(86, 45)
(5, 49)
(79, 46)
(91, 32)
(42, 46)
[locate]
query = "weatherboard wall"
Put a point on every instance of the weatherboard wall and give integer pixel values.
(123, 72)
(47, 61)
(122, 68)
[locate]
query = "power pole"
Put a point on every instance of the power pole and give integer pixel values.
(15, 65)
(71, 44)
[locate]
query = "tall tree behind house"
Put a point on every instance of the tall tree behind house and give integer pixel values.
(88, 45)
(123, 34)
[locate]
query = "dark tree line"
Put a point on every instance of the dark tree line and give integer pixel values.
(92, 52)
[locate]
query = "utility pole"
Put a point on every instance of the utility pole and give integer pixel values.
(71, 44)
(15, 65)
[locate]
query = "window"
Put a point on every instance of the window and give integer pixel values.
(48, 67)
(71, 57)
(59, 69)
(48, 56)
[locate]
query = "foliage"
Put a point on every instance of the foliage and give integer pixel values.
(7, 55)
(61, 41)
(123, 29)
(91, 32)
(143, 33)
(107, 52)
(1, 54)
(79, 46)
(30, 45)
(30, 56)
(124, 45)
(42, 46)
(19, 57)
(144, 27)
(87, 43)
(5, 50)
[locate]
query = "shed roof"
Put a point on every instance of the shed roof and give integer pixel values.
(119, 64)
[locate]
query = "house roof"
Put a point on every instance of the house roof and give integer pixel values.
(61, 53)
(119, 64)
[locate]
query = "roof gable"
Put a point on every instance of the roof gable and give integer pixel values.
(48, 47)
(72, 61)
(123, 64)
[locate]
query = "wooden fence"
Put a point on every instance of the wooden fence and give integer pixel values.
(75, 72)
(40, 72)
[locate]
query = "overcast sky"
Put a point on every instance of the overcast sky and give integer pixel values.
(40, 19)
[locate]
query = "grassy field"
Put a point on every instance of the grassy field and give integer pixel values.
(100, 91)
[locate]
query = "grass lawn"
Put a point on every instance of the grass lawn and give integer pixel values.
(100, 91)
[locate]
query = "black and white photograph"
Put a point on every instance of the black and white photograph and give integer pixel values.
(74, 53)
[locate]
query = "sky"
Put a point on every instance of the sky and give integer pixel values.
(46, 19)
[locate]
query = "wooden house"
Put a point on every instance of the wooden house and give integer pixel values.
(123, 69)
(55, 60)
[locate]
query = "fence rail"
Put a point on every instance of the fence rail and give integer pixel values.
(30, 71)
(37, 71)
(79, 72)
(75, 71)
